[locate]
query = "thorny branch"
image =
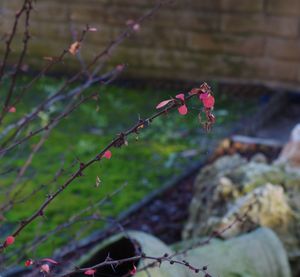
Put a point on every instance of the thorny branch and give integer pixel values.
(11, 37)
(119, 141)
(28, 8)
(172, 259)
(56, 96)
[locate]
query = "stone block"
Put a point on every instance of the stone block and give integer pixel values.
(200, 6)
(186, 20)
(274, 70)
(166, 38)
(252, 6)
(283, 49)
(281, 26)
(222, 43)
(283, 7)
(51, 30)
(51, 11)
(259, 23)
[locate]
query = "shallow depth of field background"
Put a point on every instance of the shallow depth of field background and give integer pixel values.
(185, 43)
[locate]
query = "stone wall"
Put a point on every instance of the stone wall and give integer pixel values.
(251, 40)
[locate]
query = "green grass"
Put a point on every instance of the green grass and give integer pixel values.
(145, 164)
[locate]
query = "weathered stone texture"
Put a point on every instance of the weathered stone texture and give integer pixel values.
(283, 49)
(242, 6)
(223, 43)
(259, 23)
(188, 39)
(284, 7)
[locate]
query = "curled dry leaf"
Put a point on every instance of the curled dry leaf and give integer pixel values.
(74, 47)
(50, 59)
(98, 181)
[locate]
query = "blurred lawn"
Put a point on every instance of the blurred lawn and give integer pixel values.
(150, 159)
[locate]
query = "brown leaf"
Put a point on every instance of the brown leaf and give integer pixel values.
(74, 47)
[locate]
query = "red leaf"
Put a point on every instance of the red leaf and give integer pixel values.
(163, 103)
(12, 110)
(9, 240)
(203, 96)
(90, 272)
(183, 110)
(49, 260)
(195, 91)
(133, 271)
(207, 99)
(29, 262)
(107, 154)
(180, 96)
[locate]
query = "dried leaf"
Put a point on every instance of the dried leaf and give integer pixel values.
(50, 59)
(74, 48)
(98, 181)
